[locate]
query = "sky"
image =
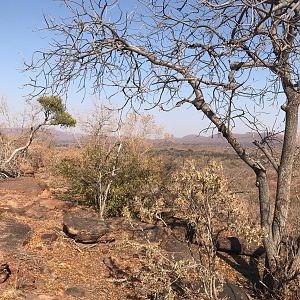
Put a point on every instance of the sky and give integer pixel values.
(20, 37)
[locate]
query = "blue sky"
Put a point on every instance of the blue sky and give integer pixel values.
(19, 21)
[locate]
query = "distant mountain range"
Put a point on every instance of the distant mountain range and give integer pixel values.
(246, 139)
(62, 137)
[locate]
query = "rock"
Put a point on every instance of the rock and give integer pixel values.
(13, 235)
(179, 227)
(229, 245)
(107, 238)
(49, 238)
(52, 203)
(145, 233)
(233, 292)
(84, 227)
(114, 268)
(226, 290)
(5, 272)
(176, 249)
(76, 292)
(233, 245)
(22, 185)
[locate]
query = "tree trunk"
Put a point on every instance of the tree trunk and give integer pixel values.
(277, 228)
(285, 172)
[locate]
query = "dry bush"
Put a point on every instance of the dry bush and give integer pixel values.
(114, 169)
(7, 147)
(164, 278)
(202, 198)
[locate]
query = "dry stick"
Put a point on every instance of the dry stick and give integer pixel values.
(113, 174)
(268, 155)
(23, 148)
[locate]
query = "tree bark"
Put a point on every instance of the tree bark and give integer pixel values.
(285, 170)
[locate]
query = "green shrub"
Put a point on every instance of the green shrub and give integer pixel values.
(90, 174)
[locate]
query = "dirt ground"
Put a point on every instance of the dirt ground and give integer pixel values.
(46, 264)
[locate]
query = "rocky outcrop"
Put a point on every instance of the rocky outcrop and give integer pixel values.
(5, 272)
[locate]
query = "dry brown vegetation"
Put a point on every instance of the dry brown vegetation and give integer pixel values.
(131, 265)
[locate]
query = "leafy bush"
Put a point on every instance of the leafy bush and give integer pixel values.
(110, 177)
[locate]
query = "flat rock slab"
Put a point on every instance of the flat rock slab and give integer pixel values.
(23, 185)
(13, 235)
(84, 227)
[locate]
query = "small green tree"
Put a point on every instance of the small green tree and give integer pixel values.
(54, 113)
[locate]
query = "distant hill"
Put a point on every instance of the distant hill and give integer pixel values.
(59, 137)
(245, 139)
(65, 137)
(217, 139)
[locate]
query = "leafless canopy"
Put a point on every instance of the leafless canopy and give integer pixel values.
(229, 59)
(234, 52)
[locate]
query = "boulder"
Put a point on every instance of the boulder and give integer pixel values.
(236, 246)
(229, 245)
(176, 249)
(49, 238)
(233, 292)
(5, 272)
(84, 227)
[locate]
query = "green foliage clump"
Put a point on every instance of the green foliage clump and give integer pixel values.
(55, 111)
(90, 174)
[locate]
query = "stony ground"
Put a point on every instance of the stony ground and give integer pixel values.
(47, 264)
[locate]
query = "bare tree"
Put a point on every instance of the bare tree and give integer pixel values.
(231, 60)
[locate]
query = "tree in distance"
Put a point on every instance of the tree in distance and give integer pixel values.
(54, 113)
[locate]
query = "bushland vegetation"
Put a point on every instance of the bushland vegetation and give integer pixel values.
(124, 173)
(111, 171)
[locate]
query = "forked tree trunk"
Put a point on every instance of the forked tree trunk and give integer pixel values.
(274, 226)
